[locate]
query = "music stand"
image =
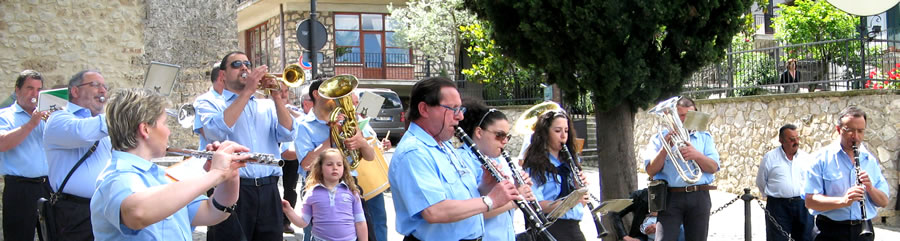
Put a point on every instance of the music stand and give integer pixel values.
(160, 77)
(615, 205)
(566, 203)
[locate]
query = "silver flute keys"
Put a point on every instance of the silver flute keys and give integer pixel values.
(255, 158)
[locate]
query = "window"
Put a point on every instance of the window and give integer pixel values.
(367, 39)
(257, 48)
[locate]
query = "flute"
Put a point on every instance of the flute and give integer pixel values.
(255, 158)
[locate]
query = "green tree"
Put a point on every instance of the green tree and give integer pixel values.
(431, 26)
(498, 73)
(628, 53)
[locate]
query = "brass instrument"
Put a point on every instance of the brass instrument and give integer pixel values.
(530, 212)
(339, 89)
(525, 123)
(601, 231)
(293, 76)
(184, 115)
(255, 158)
(866, 224)
(689, 170)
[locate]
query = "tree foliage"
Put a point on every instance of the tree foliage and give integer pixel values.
(626, 52)
(431, 26)
(813, 21)
(489, 65)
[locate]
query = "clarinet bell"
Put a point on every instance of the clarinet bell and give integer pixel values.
(866, 229)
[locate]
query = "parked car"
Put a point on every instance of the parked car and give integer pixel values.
(391, 117)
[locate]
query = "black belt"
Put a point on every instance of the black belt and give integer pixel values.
(694, 188)
(38, 180)
(842, 222)
(73, 198)
(797, 198)
(259, 181)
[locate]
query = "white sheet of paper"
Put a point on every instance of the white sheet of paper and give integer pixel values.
(50, 99)
(369, 104)
(160, 77)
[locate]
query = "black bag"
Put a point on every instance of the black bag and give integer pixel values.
(46, 214)
(657, 193)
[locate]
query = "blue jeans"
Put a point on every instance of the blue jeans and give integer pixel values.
(378, 216)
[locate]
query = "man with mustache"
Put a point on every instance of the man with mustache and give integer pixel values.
(781, 180)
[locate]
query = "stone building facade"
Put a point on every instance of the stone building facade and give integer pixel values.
(119, 39)
(745, 128)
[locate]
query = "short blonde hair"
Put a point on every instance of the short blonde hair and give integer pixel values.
(126, 110)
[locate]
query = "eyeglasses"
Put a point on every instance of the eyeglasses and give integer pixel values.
(851, 130)
(456, 111)
(237, 64)
(95, 85)
(501, 136)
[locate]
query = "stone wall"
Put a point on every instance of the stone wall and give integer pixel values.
(745, 128)
(118, 38)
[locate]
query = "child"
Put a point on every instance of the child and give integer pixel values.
(331, 200)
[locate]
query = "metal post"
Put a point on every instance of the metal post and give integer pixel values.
(427, 67)
(747, 197)
(862, 48)
(281, 31)
(313, 52)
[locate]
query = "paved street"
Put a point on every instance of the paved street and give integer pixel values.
(725, 225)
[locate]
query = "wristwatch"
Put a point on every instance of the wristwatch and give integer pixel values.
(223, 208)
(488, 201)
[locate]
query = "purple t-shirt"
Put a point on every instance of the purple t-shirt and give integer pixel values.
(336, 213)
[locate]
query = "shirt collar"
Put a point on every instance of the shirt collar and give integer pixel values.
(125, 160)
(19, 107)
(420, 134)
(323, 185)
(76, 109)
(554, 160)
(311, 117)
(228, 95)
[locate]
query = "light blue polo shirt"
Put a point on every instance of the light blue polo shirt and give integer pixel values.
(126, 175)
(702, 141)
(209, 99)
(499, 227)
(423, 173)
(68, 135)
(313, 132)
(832, 173)
(26, 159)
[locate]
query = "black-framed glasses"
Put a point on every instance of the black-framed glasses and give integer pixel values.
(95, 85)
(237, 64)
(456, 111)
(500, 135)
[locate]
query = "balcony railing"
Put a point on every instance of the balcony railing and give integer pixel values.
(376, 65)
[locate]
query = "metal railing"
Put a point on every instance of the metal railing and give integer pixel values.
(374, 60)
(833, 65)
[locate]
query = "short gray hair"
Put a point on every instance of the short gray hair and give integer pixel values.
(126, 110)
(79, 77)
(851, 111)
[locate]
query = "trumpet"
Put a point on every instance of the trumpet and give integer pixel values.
(601, 231)
(526, 208)
(293, 76)
(255, 158)
(867, 224)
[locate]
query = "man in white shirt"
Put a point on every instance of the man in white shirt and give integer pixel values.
(781, 179)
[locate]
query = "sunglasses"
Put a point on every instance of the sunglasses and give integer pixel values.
(237, 64)
(501, 136)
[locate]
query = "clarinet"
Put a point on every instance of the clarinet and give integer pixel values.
(866, 225)
(601, 231)
(534, 205)
(529, 212)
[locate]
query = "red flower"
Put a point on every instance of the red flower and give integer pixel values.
(897, 65)
(868, 84)
(872, 74)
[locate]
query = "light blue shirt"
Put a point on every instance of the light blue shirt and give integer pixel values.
(499, 227)
(312, 133)
(780, 177)
(257, 128)
(550, 189)
(24, 160)
(210, 99)
(422, 174)
(126, 175)
(832, 173)
(68, 135)
(702, 141)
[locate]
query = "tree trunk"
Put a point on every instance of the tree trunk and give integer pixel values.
(615, 150)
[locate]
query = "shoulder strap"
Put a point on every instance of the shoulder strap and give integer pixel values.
(86, 155)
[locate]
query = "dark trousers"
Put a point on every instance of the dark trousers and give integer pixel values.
(73, 219)
(831, 230)
(368, 215)
(690, 209)
(257, 216)
(565, 229)
(290, 183)
(792, 215)
(20, 205)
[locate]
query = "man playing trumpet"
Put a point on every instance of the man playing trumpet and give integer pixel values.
(134, 199)
(259, 124)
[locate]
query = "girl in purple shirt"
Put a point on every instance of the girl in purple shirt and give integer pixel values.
(333, 203)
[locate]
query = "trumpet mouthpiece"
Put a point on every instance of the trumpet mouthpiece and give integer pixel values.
(244, 75)
(102, 99)
(33, 100)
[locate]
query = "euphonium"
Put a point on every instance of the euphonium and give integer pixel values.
(525, 123)
(293, 76)
(689, 170)
(339, 89)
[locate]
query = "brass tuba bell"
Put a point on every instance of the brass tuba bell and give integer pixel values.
(525, 123)
(339, 89)
(666, 110)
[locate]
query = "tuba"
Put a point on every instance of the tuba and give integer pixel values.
(689, 170)
(525, 123)
(293, 76)
(339, 89)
